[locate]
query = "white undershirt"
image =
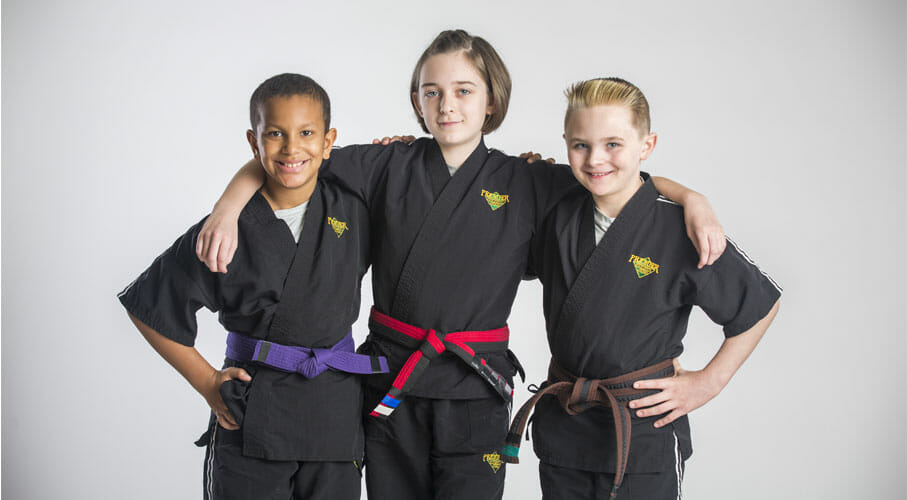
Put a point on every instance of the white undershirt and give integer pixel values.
(602, 223)
(452, 170)
(294, 218)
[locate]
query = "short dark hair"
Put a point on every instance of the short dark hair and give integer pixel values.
(486, 61)
(287, 85)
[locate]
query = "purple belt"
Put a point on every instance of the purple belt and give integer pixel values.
(308, 362)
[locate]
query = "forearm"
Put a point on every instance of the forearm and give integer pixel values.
(186, 360)
(735, 350)
(242, 187)
(675, 191)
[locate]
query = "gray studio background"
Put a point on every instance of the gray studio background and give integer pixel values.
(123, 121)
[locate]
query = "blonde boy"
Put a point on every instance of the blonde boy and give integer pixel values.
(620, 278)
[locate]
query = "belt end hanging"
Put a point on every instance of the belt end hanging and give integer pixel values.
(511, 450)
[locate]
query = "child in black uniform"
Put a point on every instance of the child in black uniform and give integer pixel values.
(620, 278)
(452, 222)
(287, 405)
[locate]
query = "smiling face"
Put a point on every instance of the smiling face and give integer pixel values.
(453, 100)
(605, 150)
(291, 142)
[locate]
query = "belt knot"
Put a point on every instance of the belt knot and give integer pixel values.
(433, 345)
(581, 395)
(316, 363)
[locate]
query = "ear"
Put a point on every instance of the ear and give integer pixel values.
(416, 105)
(648, 144)
(329, 137)
(253, 141)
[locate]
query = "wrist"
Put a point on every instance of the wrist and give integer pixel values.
(690, 197)
(716, 379)
(226, 208)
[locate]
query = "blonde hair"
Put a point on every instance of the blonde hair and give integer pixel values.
(604, 91)
(486, 61)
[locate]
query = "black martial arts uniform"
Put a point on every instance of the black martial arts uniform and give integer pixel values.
(617, 307)
(448, 253)
(299, 437)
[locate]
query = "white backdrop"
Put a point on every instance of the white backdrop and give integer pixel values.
(123, 121)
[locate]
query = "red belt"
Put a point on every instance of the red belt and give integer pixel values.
(578, 394)
(427, 345)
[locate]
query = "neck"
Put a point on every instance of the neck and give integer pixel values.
(612, 204)
(456, 155)
(281, 198)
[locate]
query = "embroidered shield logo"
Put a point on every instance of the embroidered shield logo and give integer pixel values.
(495, 200)
(643, 266)
(493, 460)
(338, 226)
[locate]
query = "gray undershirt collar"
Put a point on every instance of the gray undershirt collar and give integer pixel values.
(294, 218)
(602, 223)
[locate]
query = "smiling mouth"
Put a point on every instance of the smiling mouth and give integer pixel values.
(448, 124)
(292, 166)
(599, 175)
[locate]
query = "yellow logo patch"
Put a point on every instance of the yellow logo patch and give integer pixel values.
(493, 460)
(495, 200)
(338, 226)
(643, 266)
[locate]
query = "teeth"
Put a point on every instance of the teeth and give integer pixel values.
(294, 165)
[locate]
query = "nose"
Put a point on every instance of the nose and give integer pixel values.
(292, 145)
(447, 104)
(597, 155)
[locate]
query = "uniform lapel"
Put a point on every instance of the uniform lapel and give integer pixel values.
(586, 231)
(438, 173)
(603, 260)
(300, 271)
(448, 195)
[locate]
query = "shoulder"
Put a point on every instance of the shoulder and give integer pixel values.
(334, 192)
(257, 211)
(670, 212)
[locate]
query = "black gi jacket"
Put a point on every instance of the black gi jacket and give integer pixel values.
(448, 252)
(609, 312)
(302, 295)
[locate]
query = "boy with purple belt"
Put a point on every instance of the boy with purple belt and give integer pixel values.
(286, 407)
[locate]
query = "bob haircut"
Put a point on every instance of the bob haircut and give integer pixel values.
(486, 61)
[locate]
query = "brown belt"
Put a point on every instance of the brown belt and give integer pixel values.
(578, 394)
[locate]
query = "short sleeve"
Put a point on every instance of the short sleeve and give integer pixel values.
(359, 168)
(169, 293)
(737, 294)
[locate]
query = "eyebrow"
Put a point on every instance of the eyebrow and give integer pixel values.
(607, 139)
(460, 82)
(306, 125)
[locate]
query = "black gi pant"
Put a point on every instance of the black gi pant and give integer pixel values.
(436, 449)
(230, 475)
(561, 483)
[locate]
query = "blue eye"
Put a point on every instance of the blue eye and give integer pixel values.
(431, 93)
(612, 145)
(465, 92)
(580, 145)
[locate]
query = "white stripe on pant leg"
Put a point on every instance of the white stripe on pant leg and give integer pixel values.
(210, 473)
(678, 467)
